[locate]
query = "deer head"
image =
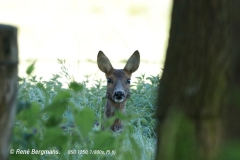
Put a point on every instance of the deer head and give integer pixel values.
(118, 80)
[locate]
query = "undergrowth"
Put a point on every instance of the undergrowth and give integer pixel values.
(57, 122)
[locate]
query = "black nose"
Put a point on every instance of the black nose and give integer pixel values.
(119, 95)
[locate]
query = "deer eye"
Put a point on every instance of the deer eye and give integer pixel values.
(128, 80)
(109, 80)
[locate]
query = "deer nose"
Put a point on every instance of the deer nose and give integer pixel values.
(119, 95)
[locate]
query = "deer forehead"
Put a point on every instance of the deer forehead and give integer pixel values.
(118, 74)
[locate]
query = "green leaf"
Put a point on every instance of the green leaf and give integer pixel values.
(54, 137)
(30, 116)
(22, 105)
(108, 122)
(31, 68)
(105, 140)
(53, 121)
(76, 86)
(62, 95)
(57, 108)
(85, 120)
(59, 104)
(122, 116)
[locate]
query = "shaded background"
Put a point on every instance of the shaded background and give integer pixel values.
(76, 30)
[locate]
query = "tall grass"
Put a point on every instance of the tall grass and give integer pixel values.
(61, 119)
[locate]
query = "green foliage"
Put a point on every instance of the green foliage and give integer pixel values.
(230, 151)
(85, 120)
(76, 86)
(30, 68)
(62, 120)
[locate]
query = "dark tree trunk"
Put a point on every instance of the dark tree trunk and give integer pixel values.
(8, 85)
(232, 112)
(193, 85)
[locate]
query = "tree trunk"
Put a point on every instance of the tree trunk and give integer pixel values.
(8, 85)
(193, 85)
(232, 112)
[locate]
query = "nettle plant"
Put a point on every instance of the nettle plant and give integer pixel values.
(50, 116)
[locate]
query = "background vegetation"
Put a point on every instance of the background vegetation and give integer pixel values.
(53, 117)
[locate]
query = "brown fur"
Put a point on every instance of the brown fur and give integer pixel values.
(119, 82)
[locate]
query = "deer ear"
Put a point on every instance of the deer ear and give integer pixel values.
(104, 63)
(133, 62)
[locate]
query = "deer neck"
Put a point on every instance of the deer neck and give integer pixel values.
(111, 107)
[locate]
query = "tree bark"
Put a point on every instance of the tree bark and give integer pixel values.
(232, 112)
(193, 86)
(8, 85)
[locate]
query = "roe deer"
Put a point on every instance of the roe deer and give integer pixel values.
(118, 85)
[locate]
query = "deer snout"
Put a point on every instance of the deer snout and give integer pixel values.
(119, 96)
